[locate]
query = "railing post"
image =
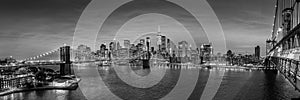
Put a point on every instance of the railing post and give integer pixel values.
(281, 67)
(293, 42)
(267, 63)
(296, 71)
(277, 63)
(291, 66)
(281, 64)
(298, 39)
(288, 67)
(284, 68)
(290, 43)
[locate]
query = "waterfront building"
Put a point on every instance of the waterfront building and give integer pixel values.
(7, 60)
(123, 53)
(206, 51)
(112, 49)
(118, 46)
(18, 81)
(102, 51)
(182, 48)
(142, 42)
(127, 44)
(83, 53)
(169, 49)
(194, 57)
(133, 50)
(158, 43)
(112, 46)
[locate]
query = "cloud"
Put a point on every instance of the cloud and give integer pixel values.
(31, 27)
(246, 23)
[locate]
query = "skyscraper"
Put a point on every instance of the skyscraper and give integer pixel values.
(83, 53)
(127, 44)
(102, 50)
(182, 48)
(142, 42)
(148, 43)
(257, 52)
(118, 46)
(158, 43)
(163, 43)
(112, 46)
(206, 51)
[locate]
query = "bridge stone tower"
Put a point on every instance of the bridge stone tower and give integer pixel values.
(287, 20)
(65, 67)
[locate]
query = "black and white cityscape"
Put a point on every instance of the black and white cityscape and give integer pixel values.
(149, 50)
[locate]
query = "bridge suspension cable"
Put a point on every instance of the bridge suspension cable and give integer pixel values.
(42, 55)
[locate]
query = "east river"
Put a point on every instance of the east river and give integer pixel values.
(162, 82)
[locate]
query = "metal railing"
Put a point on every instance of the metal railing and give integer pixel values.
(287, 67)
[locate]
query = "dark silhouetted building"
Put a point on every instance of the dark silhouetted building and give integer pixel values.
(206, 51)
(257, 52)
(163, 43)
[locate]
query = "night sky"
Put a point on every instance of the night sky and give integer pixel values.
(32, 27)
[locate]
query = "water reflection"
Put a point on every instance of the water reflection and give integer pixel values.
(113, 78)
(237, 84)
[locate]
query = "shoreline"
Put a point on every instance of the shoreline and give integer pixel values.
(17, 90)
